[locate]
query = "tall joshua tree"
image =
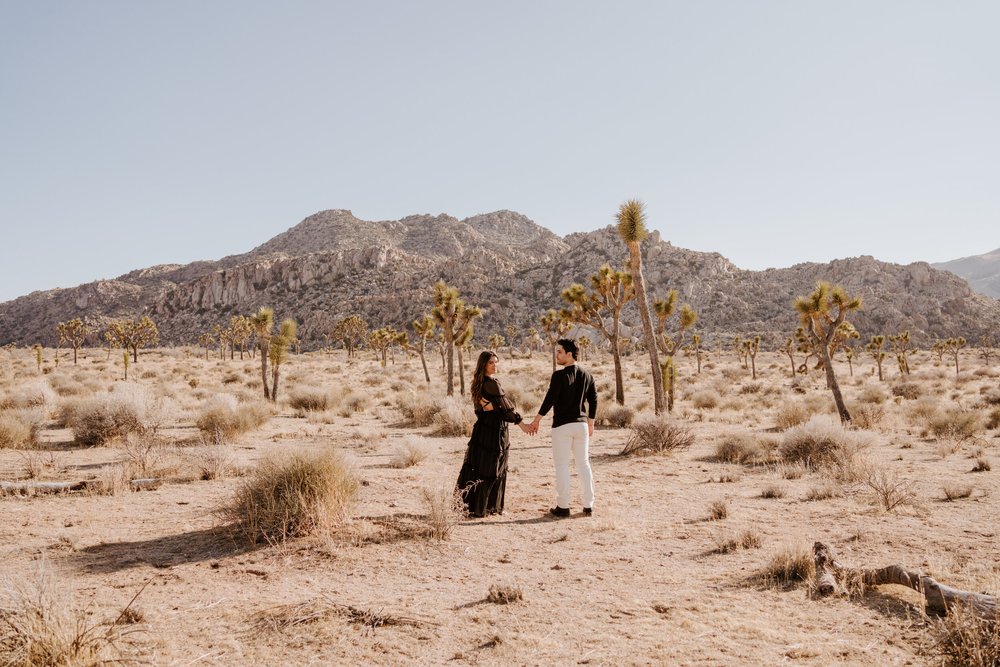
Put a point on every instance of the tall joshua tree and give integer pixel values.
(454, 316)
(424, 328)
(632, 230)
(555, 324)
(822, 313)
(263, 323)
(278, 352)
(601, 308)
(73, 332)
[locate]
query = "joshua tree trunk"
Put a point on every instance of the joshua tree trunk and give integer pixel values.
(263, 369)
(423, 362)
(831, 382)
(461, 374)
(274, 383)
(639, 284)
(449, 341)
(616, 355)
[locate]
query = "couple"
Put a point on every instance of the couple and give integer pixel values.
(483, 478)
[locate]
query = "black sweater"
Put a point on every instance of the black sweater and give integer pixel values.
(569, 389)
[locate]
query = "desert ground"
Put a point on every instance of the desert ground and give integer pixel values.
(695, 556)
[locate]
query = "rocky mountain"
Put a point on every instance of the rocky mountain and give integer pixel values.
(981, 271)
(333, 264)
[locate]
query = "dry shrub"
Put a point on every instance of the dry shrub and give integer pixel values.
(888, 489)
(923, 409)
(982, 465)
(41, 627)
(617, 416)
(657, 435)
(791, 414)
(292, 496)
(718, 510)
(417, 408)
(791, 566)
(445, 509)
(353, 402)
(963, 639)
(773, 491)
(993, 419)
(310, 399)
(955, 424)
(706, 399)
(223, 418)
(751, 388)
(524, 401)
(953, 492)
(19, 428)
(873, 394)
(746, 539)
(128, 409)
(504, 594)
(453, 417)
(31, 394)
(824, 492)
(410, 452)
(868, 415)
(745, 448)
(212, 461)
(822, 443)
(113, 480)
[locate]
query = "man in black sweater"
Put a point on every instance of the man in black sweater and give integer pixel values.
(570, 388)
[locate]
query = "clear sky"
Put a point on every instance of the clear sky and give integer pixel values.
(773, 132)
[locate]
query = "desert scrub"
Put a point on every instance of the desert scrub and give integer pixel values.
(868, 415)
(223, 418)
(821, 443)
(34, 393)
(454, 416)
(410, 452)
(19, 428)
(791, 414)
(706, 399)
(615, 416)
(657, 435)
(872, 394)
(292, 496)
(524, 401)
(955, 424)
(128, 409)
(445, 509)
(310, 399)
(908, 390)
(791, 566)
(963, 639)
(743, 447)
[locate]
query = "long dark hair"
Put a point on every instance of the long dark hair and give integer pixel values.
(480, 376)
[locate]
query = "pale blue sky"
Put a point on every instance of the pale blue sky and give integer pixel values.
(140, 133)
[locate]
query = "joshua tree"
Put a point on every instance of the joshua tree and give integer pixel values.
(875, 348)
(454, 316)
(511, 332)
(740, 350)
(125, 361)
(900, 344)
(790, 350)
(533, 340)
(664, 309)
(206, 340)
(496, 341)
(601, 308)
(632, 230)
(278, 352)
(696, 347)
(351, 331)
(584, 342)
(952, 347)
(750, 348)
(132, 335)
(240, 331)
(73, 332)
(938, 349)
(822, 313)
(463, 342)
(555, 324)
(223, 337)
(424, 329)
(263, 323)
(38, 356)
(987, 348)
(849, 355)
(380, 340)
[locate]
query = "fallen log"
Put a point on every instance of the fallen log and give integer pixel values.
(28, 486)
(831, 576)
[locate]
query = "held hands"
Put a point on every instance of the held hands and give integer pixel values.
(527, 428)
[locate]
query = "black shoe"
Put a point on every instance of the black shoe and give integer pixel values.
(588, 511)
(559, 511)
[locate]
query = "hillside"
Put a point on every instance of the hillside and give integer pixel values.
(333, 264)
(982, 271)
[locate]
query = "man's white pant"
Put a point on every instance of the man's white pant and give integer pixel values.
(572, 439)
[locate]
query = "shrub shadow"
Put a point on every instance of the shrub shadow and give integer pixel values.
(163, 552)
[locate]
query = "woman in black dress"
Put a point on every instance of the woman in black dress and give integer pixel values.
(483, 478)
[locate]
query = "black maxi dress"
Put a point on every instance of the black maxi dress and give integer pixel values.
(482, 481)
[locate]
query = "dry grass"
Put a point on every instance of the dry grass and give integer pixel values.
(410, 452)
(223, 418)
(791, 566)
(718, 510)
(954, 492)
(445, 509)
(658, 435)
(955, 424)
(888, 490)
(293, 496)
(822, 444)
(745, 539)
(962, 639)
(747, 448)
(617, 416)
(504, 594)
(41, 627)
(18, 429)
(772, 491)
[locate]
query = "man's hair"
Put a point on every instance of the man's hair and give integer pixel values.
(569, 346)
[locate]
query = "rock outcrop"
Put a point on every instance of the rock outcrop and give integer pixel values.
(333, 264)
(981, 271)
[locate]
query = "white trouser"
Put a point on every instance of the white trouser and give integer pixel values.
(572, 439)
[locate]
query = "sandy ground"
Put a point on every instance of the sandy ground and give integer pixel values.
(639, 583)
